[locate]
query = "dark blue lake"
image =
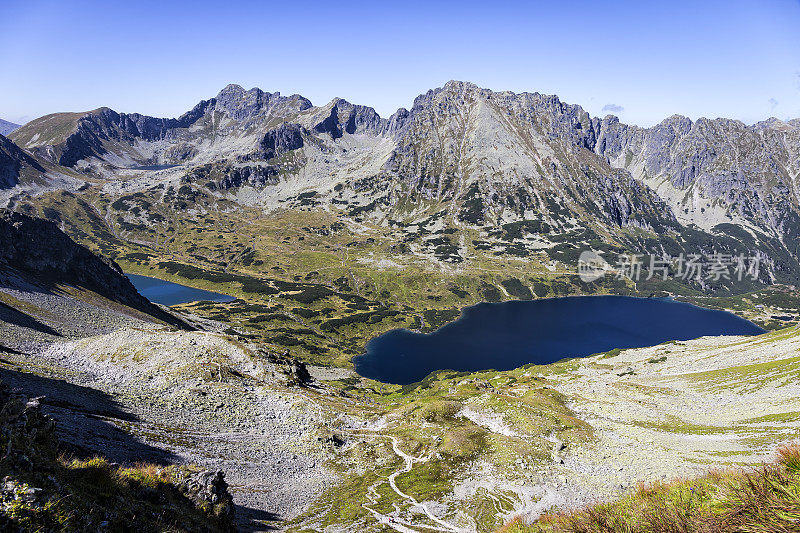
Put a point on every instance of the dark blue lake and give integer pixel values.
(168, 293)
(508, 335)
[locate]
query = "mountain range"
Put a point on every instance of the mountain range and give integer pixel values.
(330, 226)
(469, 156)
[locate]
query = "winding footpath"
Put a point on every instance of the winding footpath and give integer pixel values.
(396, 523)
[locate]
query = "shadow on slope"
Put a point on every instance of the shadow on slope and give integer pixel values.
(88, 420)
(35, 251)
(251, 520)
(18, 318)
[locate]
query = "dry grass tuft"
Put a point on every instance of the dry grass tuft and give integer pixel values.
(761, 500)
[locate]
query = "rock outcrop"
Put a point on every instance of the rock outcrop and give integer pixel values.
(284, 138)
(208, 489)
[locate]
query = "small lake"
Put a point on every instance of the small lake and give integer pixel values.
(168, 293)
(508, 335)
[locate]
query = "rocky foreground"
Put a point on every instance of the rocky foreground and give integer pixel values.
(187, 398)
(42, 489)
(640, 415)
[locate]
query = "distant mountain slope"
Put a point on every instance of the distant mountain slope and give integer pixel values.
(129, 139)
(7, 127)
(21, 171)
(714, 171)
(16, 165)
(249, 137)
(54, 286)
(467, 156)
(503, 157)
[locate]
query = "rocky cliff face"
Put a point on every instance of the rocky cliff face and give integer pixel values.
(714, 170)
(520, 156)
(719, 175)
(284, 138)
(340, 117)
(38, 251)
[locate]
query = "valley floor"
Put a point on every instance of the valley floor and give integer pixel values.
(458, 452)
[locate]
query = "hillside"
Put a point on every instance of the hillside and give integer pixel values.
(7, 127)
(761, 499)
(53, 287)
(22, 174)
(15, 164)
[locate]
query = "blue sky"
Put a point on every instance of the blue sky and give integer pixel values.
(640, 60)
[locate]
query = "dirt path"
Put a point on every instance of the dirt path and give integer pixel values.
(399, 524)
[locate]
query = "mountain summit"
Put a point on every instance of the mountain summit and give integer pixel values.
(477, 157)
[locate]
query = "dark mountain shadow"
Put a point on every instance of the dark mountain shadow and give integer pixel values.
(87, 419)
(47, 284)
(8, 350)
(18, 318)
(249, 519)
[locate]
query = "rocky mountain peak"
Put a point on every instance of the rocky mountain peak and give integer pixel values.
(340, 116)
(461, 86)
(676, 122)
(452, 91)
(241, 104)
(397, 121)
(773, 123)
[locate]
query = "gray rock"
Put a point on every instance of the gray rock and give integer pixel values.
(7, 127)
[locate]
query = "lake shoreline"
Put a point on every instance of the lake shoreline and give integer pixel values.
(169, 293)
(609, 321)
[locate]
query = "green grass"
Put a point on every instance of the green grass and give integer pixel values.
(752, 374)
(612, 353)
(427, 481)
(44, 491)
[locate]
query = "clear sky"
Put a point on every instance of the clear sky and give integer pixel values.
(640, 60)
